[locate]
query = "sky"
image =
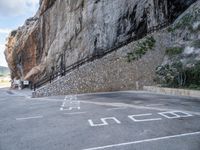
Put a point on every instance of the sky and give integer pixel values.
(13, 14)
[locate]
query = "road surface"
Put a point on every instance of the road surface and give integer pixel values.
(105, 121)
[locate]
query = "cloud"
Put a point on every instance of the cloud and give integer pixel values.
(2, 46)
(5, 31)
(17, 7)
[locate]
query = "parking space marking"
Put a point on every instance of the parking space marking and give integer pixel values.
(153, 105)
(132, 117)
(70, 108)
(116, 108)
(126, 105)
(175, 114)
(75, 113)
(144, 141)
(104, 121)
(26, 118)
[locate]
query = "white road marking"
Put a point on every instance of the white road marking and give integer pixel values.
(137, 102)
(144, 141)
(126, 105)
(135, 106)
(152, 105)
(70, 108)
(34, 117)
(175, 114)
(70, 102)
(192, 112)
(104, 122)
(132, 117)
(75, 113)
(117, 108)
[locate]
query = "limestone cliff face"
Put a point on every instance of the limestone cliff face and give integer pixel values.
(64, 31)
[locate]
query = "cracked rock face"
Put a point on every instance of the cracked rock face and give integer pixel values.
(64, 31)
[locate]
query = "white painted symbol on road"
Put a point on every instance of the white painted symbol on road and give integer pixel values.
(70, 102)
(175, 114)
(141, 117)
(133, 117)
(104, 121)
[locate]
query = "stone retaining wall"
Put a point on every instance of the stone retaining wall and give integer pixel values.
(110, 73)
(172, 91)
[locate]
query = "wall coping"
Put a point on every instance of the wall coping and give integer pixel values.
(172, 91)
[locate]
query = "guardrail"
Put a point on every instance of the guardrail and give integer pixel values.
(97, 55)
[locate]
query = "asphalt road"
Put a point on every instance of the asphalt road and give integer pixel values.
(110, 121)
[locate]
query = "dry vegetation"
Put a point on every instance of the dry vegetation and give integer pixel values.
(4, 82)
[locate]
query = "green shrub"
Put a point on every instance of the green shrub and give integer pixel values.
(141, 49)
(194, 86)
(196, 44)
(176, 75)
(150, 42)
(173, 51)
(171, 29)
(198, 28)
(185, 21)
(193, 74)
(131, 56)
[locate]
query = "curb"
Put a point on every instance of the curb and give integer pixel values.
(172, 91)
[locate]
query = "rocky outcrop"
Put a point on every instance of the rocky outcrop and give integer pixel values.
(64, 31)
(22, 52)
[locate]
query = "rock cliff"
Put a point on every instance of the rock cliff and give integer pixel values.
(64, 31)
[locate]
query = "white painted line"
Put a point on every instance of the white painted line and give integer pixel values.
(152, 105)
(134, 106)
(70, 108)
(132, 117)
(35, 117)
(117, 108)
(125, 105)
(97, 125)
(104, 122)
(144, 141)
(75, 113)
(137, 102)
